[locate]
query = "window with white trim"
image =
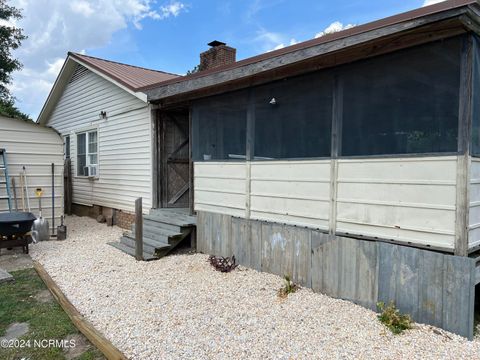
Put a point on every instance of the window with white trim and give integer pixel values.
(87, 153)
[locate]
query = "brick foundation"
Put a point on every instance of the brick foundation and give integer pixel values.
(124, 219)
(121, 218)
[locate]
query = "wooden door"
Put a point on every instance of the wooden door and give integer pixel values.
(174, 159)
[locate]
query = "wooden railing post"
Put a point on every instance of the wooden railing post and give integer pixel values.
(138, 229)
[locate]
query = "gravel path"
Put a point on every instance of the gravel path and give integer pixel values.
(179, 308)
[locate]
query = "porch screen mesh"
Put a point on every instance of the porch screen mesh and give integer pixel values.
(219, 127)
(403, 103)
(293, 118)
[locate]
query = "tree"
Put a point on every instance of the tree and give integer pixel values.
(11, 38)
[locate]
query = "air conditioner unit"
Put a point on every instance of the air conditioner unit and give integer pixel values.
(90, 171)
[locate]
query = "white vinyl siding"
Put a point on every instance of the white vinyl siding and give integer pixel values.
(124, 170)
(36, 148)
(474, 211)
(220, 187)
(410, 200)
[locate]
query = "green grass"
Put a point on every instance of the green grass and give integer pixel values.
(47, 320)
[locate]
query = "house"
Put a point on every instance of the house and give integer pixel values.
(36, 148)
(106, 124)
(349, 162)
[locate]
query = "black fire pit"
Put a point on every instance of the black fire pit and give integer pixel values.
(15, 229)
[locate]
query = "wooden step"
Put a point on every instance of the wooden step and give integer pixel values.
(159, 224)
(172, 219)
(131, 251)
(125, 240)
(157, 236)
(147, 242)
(158, 233)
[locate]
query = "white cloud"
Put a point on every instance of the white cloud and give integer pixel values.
(431, 2)
(172, 9)
(333, 28)
(82, 8)
(282, 45)
(55, 27)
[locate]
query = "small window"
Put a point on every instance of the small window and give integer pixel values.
(66, 146)
(87, 153)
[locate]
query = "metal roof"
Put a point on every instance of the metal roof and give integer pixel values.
(133, 77)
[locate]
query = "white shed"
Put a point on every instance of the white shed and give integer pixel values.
(36, 148)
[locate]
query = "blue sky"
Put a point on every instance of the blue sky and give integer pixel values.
(169, 35)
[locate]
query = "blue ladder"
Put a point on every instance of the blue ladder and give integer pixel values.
(4, 179)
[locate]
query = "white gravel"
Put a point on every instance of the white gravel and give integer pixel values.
(180, 308)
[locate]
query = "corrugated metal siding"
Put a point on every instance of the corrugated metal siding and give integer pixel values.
(220, 187)
(474, 213)
(404, 199)
(291, 192)
(124, 142)
(408, 199)
(36, 148)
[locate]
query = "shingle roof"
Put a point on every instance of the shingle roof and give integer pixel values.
(133, 77)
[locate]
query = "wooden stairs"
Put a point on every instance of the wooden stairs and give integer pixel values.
(163, 230)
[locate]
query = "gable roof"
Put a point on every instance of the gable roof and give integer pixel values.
(128, 77)
(273, 61)
(133, 77)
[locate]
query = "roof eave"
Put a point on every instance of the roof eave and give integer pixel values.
(465, 13)
(64, 77)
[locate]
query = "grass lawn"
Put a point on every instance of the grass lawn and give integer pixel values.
(19, 303)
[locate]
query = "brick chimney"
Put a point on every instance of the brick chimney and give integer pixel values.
(219, 54)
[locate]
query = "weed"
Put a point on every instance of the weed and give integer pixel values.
(289, 287)
(391, 317)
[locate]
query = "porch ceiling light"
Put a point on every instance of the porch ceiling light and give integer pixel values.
(273, 101)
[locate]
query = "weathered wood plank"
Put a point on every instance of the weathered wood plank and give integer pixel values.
(301, 256)
(387, 272)
(406, 298)
(457, 295)
(318, 239)
(97, 339)
(138, 230)
(256, 245)
(330, 267)
(367, 280)
(430, 300)
(348, 274)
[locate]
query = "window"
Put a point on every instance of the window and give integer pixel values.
(87, 153)
(66, 145)
(293, 118)
(220, 127)
(402, 103)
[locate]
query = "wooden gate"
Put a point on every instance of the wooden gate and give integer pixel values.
(174, 159)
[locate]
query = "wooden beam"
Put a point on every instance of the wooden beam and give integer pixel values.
(191, 198)
(155, 157)
(97, 339)
(138, 230)
(464, 141)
